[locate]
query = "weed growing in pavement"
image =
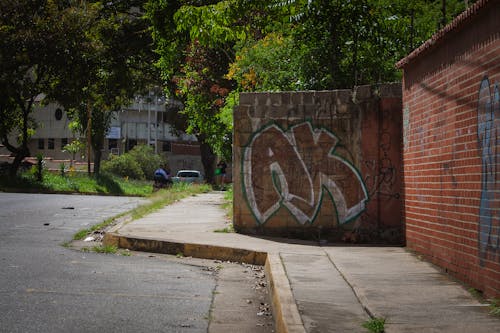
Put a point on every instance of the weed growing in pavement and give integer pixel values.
(84, 232)
(375, 325)
(476, 293)
(495, 306)
(226, 230)
(105, 249)
(179, 255)
(228, 202)
(66, 244)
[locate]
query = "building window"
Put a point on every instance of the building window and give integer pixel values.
(50, 143)
(112, 144)
(41, 144)
(64, 142)
(58, 114)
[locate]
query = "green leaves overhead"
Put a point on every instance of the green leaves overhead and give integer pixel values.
(210, 25)
(209, 46)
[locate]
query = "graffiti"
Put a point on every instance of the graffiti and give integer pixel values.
(294, 169)
(488, 113)
(406, 125)
(381, 174)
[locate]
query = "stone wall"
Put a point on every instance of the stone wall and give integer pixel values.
(320, 164)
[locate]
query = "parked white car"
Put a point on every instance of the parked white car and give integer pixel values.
(188, 176)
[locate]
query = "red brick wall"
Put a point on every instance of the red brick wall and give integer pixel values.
(324, 164)
(451, 134)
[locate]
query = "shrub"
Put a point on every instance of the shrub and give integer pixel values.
(124, 165)
(148, 161)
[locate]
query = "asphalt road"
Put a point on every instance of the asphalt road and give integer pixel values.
(45, 287)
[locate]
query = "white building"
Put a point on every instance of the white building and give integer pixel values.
(139, 123)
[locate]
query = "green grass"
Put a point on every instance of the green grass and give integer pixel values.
(110, 249)
(495, 306)
(156, 201)
(228, 207)
(225, 230)
(168, 196)
(228, 202)
(375, 325)
(84, 232)
(76, 183)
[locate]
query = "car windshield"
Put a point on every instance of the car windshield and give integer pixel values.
(188, 174)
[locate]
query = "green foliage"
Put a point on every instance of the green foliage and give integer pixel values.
(228, 202)
(268, 64)
(62, 168)
(109, 249)
(78, 183)
(375, 325)
(139, 163)
(157, 200)
(226, 230)
(74, 147)
(39, 41)
(147, 160)
(123, 165)
(212, 50)
(495, 307)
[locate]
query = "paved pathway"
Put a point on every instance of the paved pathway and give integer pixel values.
(318, 288)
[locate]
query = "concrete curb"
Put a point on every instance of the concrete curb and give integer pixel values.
(286, 314)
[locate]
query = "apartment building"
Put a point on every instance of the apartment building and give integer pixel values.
(142, 122)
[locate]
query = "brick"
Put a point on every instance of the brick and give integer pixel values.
(442, 157)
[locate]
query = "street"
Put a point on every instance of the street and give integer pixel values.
(45, 287)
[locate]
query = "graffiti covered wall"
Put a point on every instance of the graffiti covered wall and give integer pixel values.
(451, 153)
(488, 135)
(319, 164)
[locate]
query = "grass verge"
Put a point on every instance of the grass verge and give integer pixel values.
(156, 201)
(228, 207)
(104, 184)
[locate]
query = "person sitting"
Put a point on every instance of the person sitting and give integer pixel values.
(161, 176)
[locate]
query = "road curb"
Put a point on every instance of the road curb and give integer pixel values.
(286, 314)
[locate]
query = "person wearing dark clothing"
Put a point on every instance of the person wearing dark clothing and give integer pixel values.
(161, 176)
(222, 166)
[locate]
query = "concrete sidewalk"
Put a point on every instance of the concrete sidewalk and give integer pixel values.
(316, 288)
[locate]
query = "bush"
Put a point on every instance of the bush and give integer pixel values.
(148, 161)
(124, 165)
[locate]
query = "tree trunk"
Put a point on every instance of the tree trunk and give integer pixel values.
(20, 155)
(22, 151)
(208, 159)
(97, 161)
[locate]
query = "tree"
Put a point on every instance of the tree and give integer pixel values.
(195, 42)
(86, 55)
(117, 67)
(329, 44)
(38, 41)
(212, 50)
